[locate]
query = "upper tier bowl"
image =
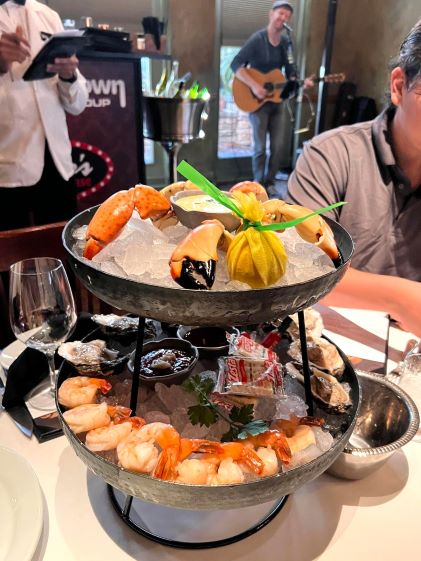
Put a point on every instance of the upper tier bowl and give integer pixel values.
(203, 307)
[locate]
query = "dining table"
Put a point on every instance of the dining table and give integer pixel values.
(328, 518)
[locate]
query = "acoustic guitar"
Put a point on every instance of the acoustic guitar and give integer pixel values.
(277, 86)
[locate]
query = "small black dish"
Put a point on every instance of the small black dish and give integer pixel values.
(169, 344)
(210, 341)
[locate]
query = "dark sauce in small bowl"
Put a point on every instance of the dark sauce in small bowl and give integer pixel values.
(207, 337)
(177, 360)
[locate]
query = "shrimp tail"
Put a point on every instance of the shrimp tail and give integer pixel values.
(165, 467)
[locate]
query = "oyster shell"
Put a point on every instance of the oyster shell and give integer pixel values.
(324, 387)
(327, 388)
(90, 357)
(313, 321)
(321, 353)
(115, 322)
(124, 325)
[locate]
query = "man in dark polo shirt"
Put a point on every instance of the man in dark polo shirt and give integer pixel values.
(376, 167)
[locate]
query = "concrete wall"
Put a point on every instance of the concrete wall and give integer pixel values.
(368, 34)
(194, 36)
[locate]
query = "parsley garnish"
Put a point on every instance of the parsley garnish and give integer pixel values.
(206, 413)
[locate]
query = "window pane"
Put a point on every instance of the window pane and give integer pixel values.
(235, 135)
(147, 87)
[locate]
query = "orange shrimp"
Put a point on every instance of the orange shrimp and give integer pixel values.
(81, 390)
(239, 453)
(274, 439)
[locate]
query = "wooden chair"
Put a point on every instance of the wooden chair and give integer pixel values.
(38, 241)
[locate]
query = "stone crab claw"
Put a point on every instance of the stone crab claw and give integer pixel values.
(314, 230)
(248, 187)
(116, 211)
(196, 256)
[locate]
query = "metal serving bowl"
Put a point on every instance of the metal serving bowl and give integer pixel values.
(193, 218)
(387, 420)
(210, 497)
(203, 307)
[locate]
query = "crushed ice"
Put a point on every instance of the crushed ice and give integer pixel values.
(141, 252)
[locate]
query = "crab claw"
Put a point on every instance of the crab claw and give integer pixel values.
(196, 256)
(314, 230)
(248, 187)
(116, 211)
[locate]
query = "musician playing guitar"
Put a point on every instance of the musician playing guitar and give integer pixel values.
(266, 50)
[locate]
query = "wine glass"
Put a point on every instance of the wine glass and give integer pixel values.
(42, 315)
(410, 379)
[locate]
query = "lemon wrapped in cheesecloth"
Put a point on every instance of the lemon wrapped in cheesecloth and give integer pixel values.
(255, 257)
(255, 254)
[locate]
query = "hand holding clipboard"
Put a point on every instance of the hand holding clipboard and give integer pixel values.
(63, 45)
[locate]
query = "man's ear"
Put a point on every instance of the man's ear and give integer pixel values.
(397, 84)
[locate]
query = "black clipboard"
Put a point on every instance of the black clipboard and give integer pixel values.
(55, 47)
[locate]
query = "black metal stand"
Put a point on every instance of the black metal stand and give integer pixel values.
(124, 511)
(306, 367)
(172, 147)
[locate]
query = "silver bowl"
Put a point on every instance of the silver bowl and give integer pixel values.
(172, 119)
(193, 218)
(387, 420)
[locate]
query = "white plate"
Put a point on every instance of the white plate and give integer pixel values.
(21, 507)
(10, 353)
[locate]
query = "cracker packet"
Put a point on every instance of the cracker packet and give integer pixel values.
(247, 376)
(242, 346)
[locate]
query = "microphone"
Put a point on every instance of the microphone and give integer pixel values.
(288, 28)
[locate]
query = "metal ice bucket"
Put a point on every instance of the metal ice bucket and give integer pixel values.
(167, 119)
(388, 419)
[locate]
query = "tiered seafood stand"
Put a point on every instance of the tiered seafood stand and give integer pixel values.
(210, 308)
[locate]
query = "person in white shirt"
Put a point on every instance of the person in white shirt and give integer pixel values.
(35, 151)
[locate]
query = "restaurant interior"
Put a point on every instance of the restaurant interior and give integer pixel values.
(180, 384)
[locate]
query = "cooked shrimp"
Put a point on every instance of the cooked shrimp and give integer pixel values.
(269, 459)
(239, 453)
(229, 472)
(196, 472)
(81, 390)
(107, 438)
(191, 445)
(289, 426)
(274, 439)
(93, 416)
(136, 454)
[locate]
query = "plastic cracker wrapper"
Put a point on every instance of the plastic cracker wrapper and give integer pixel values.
(246, 376)
(242, 346)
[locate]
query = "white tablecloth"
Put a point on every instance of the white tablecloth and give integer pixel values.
(329, 519)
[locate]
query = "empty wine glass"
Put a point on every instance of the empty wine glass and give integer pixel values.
(42, 315)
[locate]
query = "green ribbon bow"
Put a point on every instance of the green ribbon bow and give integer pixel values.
(189, 172)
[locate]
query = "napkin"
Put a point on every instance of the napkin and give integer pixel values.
(31, 366)
(361, 334)
(26, 372)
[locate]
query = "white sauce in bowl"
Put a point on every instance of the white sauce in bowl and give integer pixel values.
(202, 203)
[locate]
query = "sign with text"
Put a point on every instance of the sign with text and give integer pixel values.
(107, 137)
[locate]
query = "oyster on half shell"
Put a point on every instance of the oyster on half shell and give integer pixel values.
(91, 357)
(324, 387)
(116, 323)
(321, 353)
